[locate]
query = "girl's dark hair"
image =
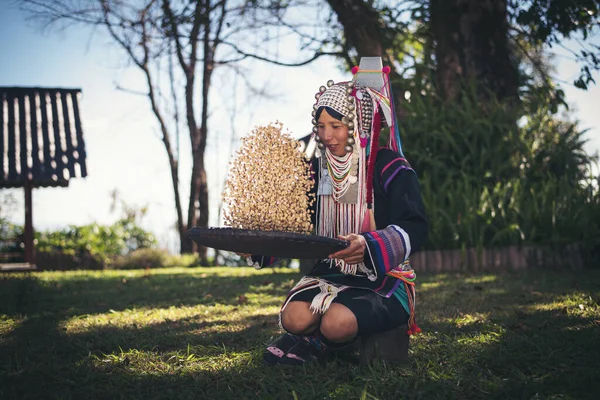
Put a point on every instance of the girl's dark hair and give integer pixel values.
(330, 111)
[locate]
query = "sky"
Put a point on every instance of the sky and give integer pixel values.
(124, 150)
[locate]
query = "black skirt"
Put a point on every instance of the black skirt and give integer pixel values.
(373, 312)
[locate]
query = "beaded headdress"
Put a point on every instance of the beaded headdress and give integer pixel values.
(353, 102)
(366, 102)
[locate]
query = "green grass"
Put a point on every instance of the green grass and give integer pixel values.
(199, 333)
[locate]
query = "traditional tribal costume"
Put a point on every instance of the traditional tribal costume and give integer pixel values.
(370, 191)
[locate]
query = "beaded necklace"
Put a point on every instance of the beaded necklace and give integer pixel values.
(336, 218)
(339, 170)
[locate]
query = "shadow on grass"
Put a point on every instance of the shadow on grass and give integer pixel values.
(531, 334)
(37, 343)
(82, 295)
(485, 336)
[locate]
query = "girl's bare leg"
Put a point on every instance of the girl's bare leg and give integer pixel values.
(298, 318)
(339, 324)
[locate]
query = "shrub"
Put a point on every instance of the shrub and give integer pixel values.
(143, 258)
(486, 182)
(59, 261)
(183, 260)
(11, 240)
(101, 243)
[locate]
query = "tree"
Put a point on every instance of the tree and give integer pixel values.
(438, 51)
(457, 42)
(368, 30)
(471, 45)
(549, 22)
(186, 36)
(466, 64)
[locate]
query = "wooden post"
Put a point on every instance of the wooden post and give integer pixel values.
(28, 239)
(389, 346)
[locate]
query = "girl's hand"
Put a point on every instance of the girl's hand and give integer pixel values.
(355, 252)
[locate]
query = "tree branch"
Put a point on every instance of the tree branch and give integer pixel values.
(175, 35)
(130, 91)
(245, 55)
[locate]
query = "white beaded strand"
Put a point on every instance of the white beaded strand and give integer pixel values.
(339, 168)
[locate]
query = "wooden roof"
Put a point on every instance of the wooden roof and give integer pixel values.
(41, 137)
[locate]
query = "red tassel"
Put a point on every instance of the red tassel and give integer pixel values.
(373, 156)
(414, 328)
(368, 222)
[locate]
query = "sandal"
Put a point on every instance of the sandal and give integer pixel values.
(277, 350)
(303, 352)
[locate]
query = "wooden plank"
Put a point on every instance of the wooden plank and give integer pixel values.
(438, 262)
(58, 151)
(48, 169)
(422, 262)
(10, 255)
(16, 267)
(67, 132)
(457, 260)
(512, 258)
(23, 137)
(496, 259)
(473, 263)
(33, 129)
(502, 259)
(79, 131)
(12, 146)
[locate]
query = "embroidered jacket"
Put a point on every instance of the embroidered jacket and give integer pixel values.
(402, 229)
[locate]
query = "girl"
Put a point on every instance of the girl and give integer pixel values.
(370, 197)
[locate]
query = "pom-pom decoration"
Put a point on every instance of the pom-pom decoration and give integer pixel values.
(268, 184)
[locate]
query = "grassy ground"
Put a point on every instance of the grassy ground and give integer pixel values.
(199, 333)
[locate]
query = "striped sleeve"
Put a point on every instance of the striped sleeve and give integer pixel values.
(387, 248)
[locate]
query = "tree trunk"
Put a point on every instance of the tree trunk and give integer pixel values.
(365, 31)
(363, 28)
(198, 210)
(471, 47)
(173, 161)
(202, 204)
(198, 207)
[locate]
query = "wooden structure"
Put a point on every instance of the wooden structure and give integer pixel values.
(41, 144)
(498, 259)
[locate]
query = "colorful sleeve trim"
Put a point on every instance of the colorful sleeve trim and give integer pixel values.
(387, 248)
(406, 240)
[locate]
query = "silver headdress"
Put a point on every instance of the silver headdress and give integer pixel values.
(369, 93)
(354, 103)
